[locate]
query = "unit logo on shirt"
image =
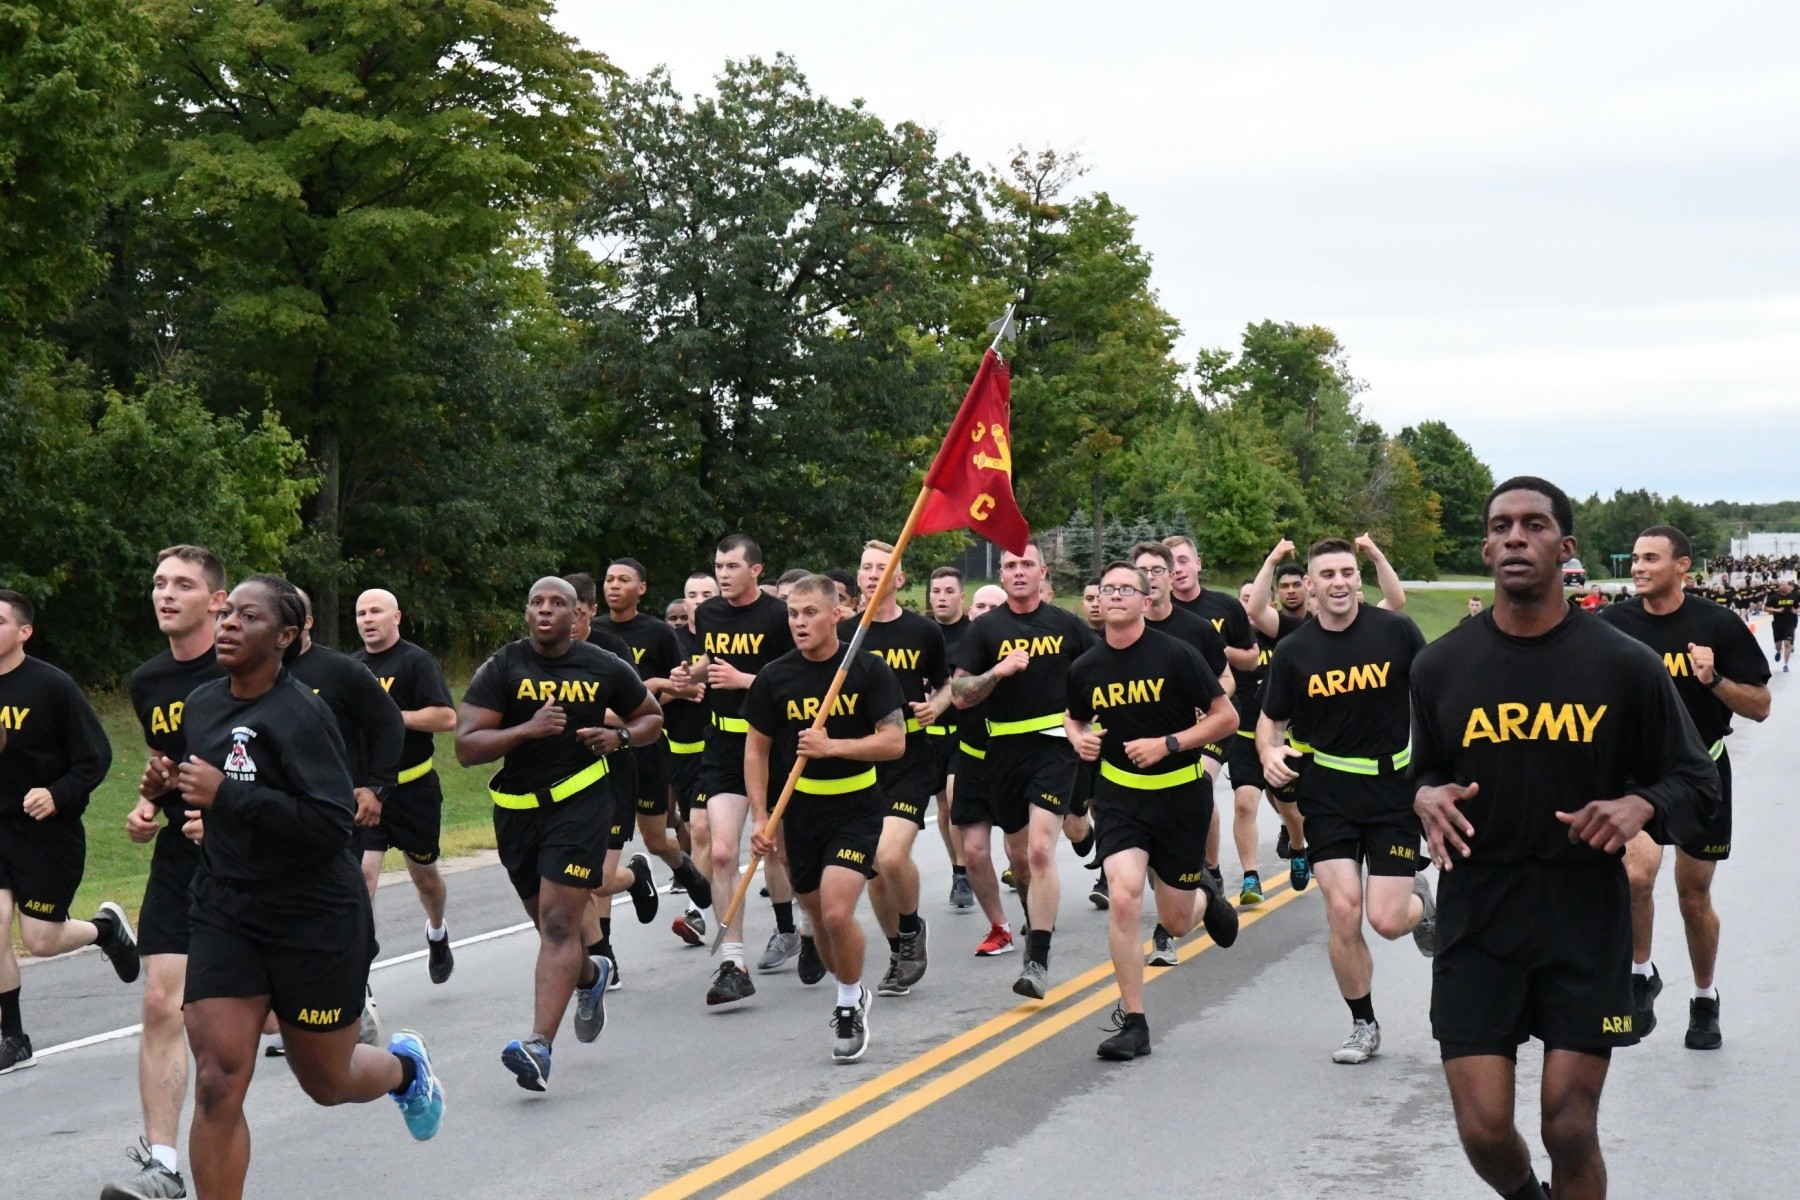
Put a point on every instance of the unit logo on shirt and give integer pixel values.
(238, 764)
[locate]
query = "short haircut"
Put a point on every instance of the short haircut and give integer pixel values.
(1094, 580)
(198, 556)
(1143, 580)
(741, 542)
(677, 603)
(1678, 541)
(884, 547)
(947, 572)
(706, 575)
(290, 608)
(1030, 544)
(585, 591)
(1289, 568)
(791, 575)
(1181, 539)
(1331, 545)
(634, 564)
(1560, 508)
(823, 586)
(839, 575)
(1159, 549)
(23, 610)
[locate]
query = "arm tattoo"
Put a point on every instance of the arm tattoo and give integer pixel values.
(973, 688)
(892, 718)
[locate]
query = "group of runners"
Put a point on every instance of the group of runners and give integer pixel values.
(1540, 756)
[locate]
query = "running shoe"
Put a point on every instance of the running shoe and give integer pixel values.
(615, 981)
(810, 967)
(439, 960)
(117, 941)
(1132, 1039)
(15, 1054)
(151, 1180)
(590, 1002)
(1220, 918)
(690, 926)
(422, 1104)
(910, 961)
(1299, 870)
(1250, 894)
(1218, 878)
(1644, 991)
(529, 1061)
(850, 1028)
(1703, 1024)
(369, 1033)
(730, 984)
(643, 889)
(1425, 932)
(781, 947)
(1006, 877)
(1283, 848)
(1032, 980)
(890, 984)
(1098, 895)
(276, 1049)
(998, 941)
(961, 894)
(1362, 1044)
(1162, 949)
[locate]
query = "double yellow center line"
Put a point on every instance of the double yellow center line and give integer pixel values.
(1043, 1020)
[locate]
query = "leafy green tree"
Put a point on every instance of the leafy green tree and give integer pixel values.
(1449, 468)
(1401, 513)
(1246, 500)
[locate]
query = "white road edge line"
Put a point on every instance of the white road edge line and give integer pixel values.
(113, 1035)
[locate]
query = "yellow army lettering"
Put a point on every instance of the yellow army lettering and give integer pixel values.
(575, 872)
(854, 856)
(1356, 679)
(1552, 723)
(318, 1016)
(637, 653)
(807, 709)
(905, 809)
(1678, 663)
(39, 906)
(387, 682)
(167, 719)
(1403, 852)
(734, 643)
(1047, 644)
(1218, 624)
(1134, 691)
(1189, 877)
(569, 691)
(899, 658)
(13, 717)
(1615, 1024)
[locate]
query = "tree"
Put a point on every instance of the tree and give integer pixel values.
(1449, 469)
(1246, 501)
(1402, 514)
(316, 169)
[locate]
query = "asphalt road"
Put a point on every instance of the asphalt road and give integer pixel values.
(964, 1093)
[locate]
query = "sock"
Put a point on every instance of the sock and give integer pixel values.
(1037, 947)
(959, 872)
(849, 994)
(1363, 1007)
(409, 1075)
(894, 944)
(166, 1155)
(435, 933)
(601, 948)
(910, 923)
(1085, 844)
(1249, 875)
(586, 980)
(805, 923)
(1531, 1189)
(106, 931)
(784, 916)
(1025, 902)
(1706, 993)
(606, 929)
(732, 952)
(10, 1024)
(1644, 968)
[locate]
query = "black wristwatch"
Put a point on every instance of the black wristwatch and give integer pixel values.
(624, 738)
(1717, 679)
(1173, 743)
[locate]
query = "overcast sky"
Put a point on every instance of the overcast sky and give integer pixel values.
(1570, 230)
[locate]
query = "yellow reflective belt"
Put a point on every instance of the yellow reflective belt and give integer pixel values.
(912, 725)
(558, 792)
(1029, 725)
(1249, 733)
(972, 751)
(424, 769)
(1149, 783)
(1717, 749)
(1363, 766)
(835, 787)
(940, 730)
(1297, 744)
(676, 747)
(731, 724)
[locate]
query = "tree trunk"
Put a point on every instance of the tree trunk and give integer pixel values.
(1099, 527)
(325, 519)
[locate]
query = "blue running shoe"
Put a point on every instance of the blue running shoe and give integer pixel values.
(529, 1060)
(422, 1104)
(1299, 871)
(590, 1002)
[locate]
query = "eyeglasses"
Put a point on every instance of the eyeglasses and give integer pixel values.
(1120, 589)
(1154, 572)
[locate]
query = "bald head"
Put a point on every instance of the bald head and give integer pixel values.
(378, 620)
(987, 598)
(555, 584)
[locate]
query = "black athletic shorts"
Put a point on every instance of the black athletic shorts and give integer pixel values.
(910, 781)
(652, 765)
(1081, 795)
(946, 750)
(162, 924)
(1529, 950)
(1021, 771)
(968, 806)
(831, 831)
(721, 767)
(622, 825)
(1171, 824)
(41, 863)
(1244, 764)
(412, 818)
(305, 943)
(565, 843)
(684, 780)
(1714, 845)
(1368, 819)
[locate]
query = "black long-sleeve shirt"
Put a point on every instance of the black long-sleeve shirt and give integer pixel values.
(1548, 724)
(373, 730)
(53, 739)
(286, 804)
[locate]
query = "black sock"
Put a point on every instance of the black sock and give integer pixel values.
(959, 872)
(1531, 1189)
(10, 1023)
(1085, 844)
(409, 1075)
(606, 929)
(106, 930)
(601, 948)
(1249, 875)
(1037, 947)
(784, 916)
(590, 975)
(1363, 1007)
(910, 923)
(1025, 902)
(894, 944)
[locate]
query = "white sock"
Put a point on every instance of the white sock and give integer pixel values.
(1643, 968)
(167, 1157)
(849, 994)
(434, 933)
(803, 923)
(1706, 993)
(733, 952)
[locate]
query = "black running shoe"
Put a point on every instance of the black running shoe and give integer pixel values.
(810, 967)
(15, 1053)
(1220, 918)
(731, 984)
(1703, 1024)
(1282, 845)
(439, 959)
(1132, 1039)
(911, 960)
(643, 890)
(1218, 878)
(1644, 991)
(117, 941)
(1098, 895)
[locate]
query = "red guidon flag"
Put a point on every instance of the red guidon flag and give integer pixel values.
(971, 478)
